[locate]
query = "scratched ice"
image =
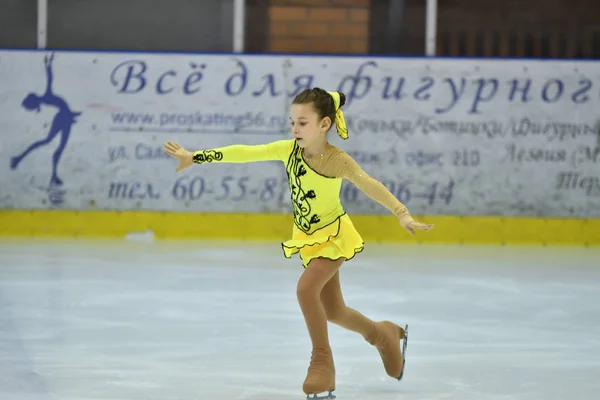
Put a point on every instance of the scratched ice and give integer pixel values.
(195, 320)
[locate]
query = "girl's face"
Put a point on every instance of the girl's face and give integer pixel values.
(308, 129)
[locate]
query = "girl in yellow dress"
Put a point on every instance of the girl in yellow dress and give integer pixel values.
(323, 233)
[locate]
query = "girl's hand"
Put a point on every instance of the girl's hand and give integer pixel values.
(410, 224)
(178, 152)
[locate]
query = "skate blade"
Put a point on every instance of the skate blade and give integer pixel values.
(404, 343)
(329, 396)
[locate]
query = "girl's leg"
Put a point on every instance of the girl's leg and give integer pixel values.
(340, 314)
(308, 291)
(384, 335)
(321, 372)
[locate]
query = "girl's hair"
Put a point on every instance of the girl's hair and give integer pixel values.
(321, 100)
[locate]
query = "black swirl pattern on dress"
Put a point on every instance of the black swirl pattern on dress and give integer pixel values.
(206, 156)
(302, 208)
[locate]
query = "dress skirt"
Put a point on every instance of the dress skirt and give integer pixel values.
(340, 239)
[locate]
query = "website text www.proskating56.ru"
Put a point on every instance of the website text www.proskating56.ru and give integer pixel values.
(229, 122)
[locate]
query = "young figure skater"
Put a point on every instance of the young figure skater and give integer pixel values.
(322, 233)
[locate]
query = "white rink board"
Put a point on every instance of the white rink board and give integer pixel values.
(463, 137)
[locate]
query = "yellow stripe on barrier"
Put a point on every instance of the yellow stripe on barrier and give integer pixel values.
(373, 228)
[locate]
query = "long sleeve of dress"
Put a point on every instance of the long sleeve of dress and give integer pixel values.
(239, 153)
(344, 166)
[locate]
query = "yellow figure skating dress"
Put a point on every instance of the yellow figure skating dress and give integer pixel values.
(321, 229)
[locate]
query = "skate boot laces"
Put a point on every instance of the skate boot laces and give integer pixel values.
(318, 360)
(378, 339)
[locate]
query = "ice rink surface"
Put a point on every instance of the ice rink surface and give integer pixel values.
(82, 320)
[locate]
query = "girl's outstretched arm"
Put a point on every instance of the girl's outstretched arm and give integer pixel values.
(345, 167)
(237, 153)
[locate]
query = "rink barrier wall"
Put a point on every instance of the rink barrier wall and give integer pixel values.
(460, 141)
(277, 227)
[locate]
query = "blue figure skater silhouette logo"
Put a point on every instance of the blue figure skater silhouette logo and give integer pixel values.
(61, 124)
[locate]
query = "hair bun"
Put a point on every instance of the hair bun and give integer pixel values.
(342, 99)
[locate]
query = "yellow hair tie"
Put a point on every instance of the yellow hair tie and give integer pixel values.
(340, 123)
